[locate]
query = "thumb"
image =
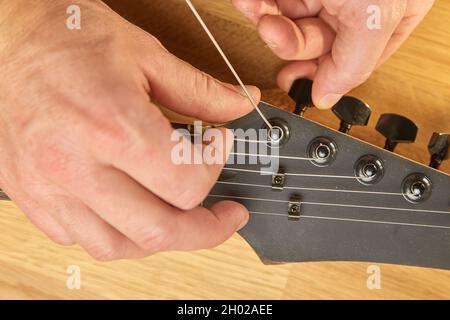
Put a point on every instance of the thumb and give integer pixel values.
(184, 89)
(356, 51)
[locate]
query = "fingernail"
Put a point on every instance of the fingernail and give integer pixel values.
(239, 90)
(271, 44)
(254, 91)
(329, 101)
(243, 223)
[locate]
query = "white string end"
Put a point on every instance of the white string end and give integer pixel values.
(230, 66)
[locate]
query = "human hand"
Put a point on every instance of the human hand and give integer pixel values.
(333, 42)
(86, 154)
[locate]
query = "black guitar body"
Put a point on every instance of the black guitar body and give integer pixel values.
(333, 211)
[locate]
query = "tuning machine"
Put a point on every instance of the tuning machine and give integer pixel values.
(352, 112)
(439, 148)
(301, 93)
(396, 129)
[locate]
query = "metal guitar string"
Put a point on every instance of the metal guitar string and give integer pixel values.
(291, 174)
(311, 189)
(331, 204)
(276, 156)
(354, 220)
(269, 156)
(230, 66)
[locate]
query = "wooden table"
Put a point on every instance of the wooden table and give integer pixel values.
(415, 82)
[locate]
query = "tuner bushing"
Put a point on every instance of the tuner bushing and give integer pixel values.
(279, 134)
(369, 169)
(322, 151)
(416, 188)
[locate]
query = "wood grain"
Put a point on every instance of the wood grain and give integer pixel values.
(414, 82)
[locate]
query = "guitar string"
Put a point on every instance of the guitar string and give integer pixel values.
(291, 174)
(331, 204)
(227, 61)
(354, 220)
(270, 156)
(281, 157)
(312, 189)
(299, 174)
(259, 154)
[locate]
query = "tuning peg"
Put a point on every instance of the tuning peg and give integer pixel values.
(396, 129)
(352, 112)
(301, 93)
(439, 148)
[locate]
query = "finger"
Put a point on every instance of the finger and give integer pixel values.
(40, 216)
(186, 90)
(50, 226)
(293, 9)
(151, 223)
(98, 238)
(304, 39)
(356, 50)
(164, 160)
(296, 9)
(296, 70)
(255, 9)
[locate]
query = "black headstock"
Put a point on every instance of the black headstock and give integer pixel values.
(332, 197)
(336, 198)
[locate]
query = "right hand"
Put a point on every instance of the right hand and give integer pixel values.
(329, 41)
(86, 154)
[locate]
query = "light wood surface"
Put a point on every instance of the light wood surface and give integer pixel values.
(415, 82)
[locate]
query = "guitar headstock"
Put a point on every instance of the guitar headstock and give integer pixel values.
(333, 197)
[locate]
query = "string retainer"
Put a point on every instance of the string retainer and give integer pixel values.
(278, 180)
(294, 208)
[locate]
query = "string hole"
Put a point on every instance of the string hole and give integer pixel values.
(322, 151)
(276, 134)
(416, 188)
(279, 134)
(369, 169)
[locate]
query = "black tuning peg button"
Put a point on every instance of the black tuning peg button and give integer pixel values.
(352, 112)
(301, 93)
(439, 148)
(396, 129)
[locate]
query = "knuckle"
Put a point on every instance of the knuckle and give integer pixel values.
(191, 196)
(352, 76)
(205, 86)
(111, 129)
(129, 130)
(355, 78)
(51, 159)
(102, 252)
(354, 17)
(156, 239)
(62, 240)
